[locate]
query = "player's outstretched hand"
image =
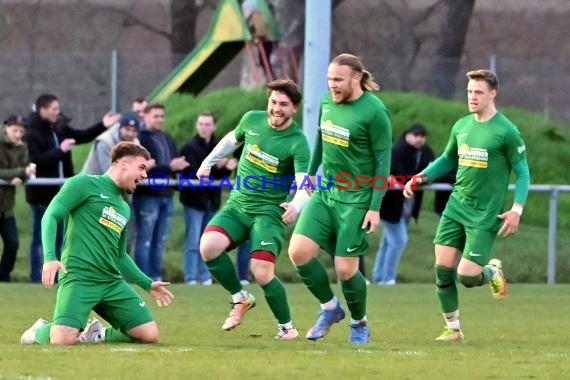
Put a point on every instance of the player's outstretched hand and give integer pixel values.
(371, 221)
(291, 213)
(49, 271)
(511, 224)
(159, 292)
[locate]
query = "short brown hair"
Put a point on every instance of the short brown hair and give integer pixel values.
(486, 75)
(288, 87)
(208, 114)
(152, 106)
(126, 148)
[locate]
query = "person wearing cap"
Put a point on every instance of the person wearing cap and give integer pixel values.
(15, 167)
(410, 154)
(99, 158)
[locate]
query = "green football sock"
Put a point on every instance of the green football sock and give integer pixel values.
(315, 276)
(471, 281)
(354, 290)
(446, 288)
(276, 297)
(223, 270)
(117, 336)
(42, 334)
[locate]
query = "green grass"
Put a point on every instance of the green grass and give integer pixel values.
(522, 337)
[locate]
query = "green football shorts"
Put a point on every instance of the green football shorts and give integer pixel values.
(265, 231)
(475, 244)
(335, 226)
(116, 302)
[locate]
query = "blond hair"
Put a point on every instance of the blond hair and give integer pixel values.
(367, 82)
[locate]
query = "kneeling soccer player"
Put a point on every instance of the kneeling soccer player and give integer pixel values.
(94, 259)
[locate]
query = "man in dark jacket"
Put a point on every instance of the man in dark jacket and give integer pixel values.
(154, 206)
(15, 167)
(410, 155)
(200, 204)
(50, 140)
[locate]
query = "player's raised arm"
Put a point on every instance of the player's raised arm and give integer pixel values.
(227, 145)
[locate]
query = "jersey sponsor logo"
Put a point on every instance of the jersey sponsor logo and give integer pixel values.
(335, 134)
(473, 157)
(262, 159)
(112, 219)
(252, 133)
(521, 149)
(103, 196)
(350, 250)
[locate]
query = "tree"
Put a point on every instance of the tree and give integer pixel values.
(450, 48)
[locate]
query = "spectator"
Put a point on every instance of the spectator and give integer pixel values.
(410, 155)
(154, 207)
(99, 159)
(50, 140)
(15, 167)
(139, 104)
(201, 204)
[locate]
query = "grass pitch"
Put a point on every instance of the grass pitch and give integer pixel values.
(523, 337)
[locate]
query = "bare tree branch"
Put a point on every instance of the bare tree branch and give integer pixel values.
(131, 20)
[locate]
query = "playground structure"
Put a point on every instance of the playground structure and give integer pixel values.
(226, 37)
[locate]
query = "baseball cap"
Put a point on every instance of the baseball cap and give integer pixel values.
(417, 129)
(130, 119)
(16, 120)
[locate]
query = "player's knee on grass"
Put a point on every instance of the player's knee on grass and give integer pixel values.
(471, 281)
(263, 266)
(63, 335)
(444, 276)
(147, 333)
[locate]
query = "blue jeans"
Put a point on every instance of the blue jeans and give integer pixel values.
(393, 242)
(243, 252)
(153, 219)
(9, 233)
(194, 267)
(36, 250)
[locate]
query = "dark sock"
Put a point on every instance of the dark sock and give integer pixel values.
(354, 290)
(222, 269)
(315, 276)
(276, 297)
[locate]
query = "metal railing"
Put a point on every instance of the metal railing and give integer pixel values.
(554, 191)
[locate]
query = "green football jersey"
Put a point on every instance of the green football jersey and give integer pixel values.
(352, 135)
(268, 163)
(95, 228)
(485, 153)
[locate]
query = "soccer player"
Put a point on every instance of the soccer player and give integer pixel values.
(94, 259)
(484, 146)
(275, 150)
(353, 144)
